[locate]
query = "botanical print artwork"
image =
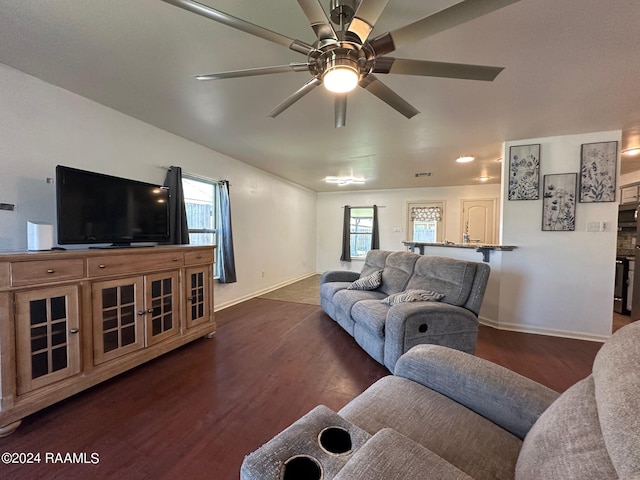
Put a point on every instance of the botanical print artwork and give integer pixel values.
(524, 172)
(598, 172)
(559, 202)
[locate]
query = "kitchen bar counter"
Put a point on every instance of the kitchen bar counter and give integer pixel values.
(482, 248)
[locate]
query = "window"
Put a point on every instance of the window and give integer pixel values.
(425, 222)
(200, 196)
(360, 231)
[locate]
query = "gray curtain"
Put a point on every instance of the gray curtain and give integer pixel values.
(346, 235)
(227, 265)
(375, 235)
(178, 229)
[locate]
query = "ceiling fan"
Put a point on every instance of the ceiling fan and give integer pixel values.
(343, 57)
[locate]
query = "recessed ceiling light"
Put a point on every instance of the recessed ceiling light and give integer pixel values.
(631, 152)
(484, 178)
(465, 159)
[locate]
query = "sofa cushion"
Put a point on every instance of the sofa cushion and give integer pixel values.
(437, 423)
(616, 374)
(374, 261)
(412, 296)
(391, 455)
(451, 277)
(371, 315)
(397, 271)
(328, 290)
(346, 299)
(566, 441)
(368, 282)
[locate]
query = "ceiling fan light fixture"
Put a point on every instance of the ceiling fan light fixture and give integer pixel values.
(342, 181)
(341, 74)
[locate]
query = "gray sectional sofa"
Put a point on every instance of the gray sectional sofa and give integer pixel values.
(445, 414)
(387, 331)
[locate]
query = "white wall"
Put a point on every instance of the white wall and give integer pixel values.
(392, 215)
(42, 125)
(558, 282)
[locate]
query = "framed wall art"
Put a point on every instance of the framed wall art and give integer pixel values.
(524, 172)
(559, 202)
(598, 165)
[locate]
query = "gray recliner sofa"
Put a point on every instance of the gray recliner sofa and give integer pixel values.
(445, 414)
(387, 331)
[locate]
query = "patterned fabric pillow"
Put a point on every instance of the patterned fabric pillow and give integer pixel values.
(413, 296)
(370, 282)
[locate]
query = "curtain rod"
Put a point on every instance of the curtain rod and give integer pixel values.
(363, 206)
(195, 175)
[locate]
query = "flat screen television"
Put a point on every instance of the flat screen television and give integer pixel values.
(94, 208)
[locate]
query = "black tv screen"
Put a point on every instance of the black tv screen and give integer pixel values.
(97, 208)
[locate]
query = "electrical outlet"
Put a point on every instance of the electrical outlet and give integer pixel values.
(596, 226)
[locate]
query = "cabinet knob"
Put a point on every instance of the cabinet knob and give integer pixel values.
(73, 330)
(51, 270)
(175, 259)
(150, 310)
(198, 257)
(141, 312)
(102, 265)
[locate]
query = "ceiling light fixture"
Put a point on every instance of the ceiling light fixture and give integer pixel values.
(484, 178)
(631, 152)
(341, 73)
(465, 159)
(342, 181)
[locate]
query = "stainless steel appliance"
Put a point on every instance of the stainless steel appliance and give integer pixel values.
(628, 216)
(621, 290)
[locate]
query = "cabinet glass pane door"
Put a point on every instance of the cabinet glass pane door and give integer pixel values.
(119, 317)
(118, 310)
(162, 306)
(47, 340)
(198, 301)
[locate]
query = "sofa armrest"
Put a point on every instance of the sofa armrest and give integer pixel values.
(412, 323)
(339, 276)
(388, 454)
(506, 398)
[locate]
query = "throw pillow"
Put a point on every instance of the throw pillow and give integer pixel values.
(413, 296)
(370, 282)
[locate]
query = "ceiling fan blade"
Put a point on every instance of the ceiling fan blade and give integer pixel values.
(251, 72)
(340, 109)
(436, 69)
(438, 22)
(366, 17)
(388, 96)
(318, 19)
(242, 25)
(306, 88)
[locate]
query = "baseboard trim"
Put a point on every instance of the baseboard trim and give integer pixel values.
(543, 331)
(264, 291)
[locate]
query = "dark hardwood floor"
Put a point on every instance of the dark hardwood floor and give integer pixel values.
(195, 412)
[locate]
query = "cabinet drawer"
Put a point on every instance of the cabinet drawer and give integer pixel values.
(126, 264)
(42, 271)
(198, 257)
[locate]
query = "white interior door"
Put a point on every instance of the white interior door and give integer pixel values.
(479, 219)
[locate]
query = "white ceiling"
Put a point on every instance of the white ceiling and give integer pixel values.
(571, 66)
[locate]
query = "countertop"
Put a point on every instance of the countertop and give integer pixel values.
(478, 247)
